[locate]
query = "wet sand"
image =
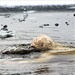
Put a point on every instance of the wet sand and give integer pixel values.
(57, 62)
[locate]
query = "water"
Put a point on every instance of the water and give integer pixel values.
(29, 29)
(25, 31)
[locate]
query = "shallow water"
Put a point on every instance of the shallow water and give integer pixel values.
(38, 63)
(52, 66)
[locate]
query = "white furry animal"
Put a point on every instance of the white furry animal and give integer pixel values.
(42, 42)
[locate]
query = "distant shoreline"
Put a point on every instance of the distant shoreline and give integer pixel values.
(38, 8)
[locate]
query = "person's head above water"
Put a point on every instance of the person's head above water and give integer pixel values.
(5, 26)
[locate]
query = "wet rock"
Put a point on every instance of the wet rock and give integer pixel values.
(56, 24)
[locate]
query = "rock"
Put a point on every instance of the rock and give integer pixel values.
(42, 42)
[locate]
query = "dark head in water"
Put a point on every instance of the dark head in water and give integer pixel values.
(5, 28)
(56, 24)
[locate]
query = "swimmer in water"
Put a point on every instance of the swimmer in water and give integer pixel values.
(4, 28)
